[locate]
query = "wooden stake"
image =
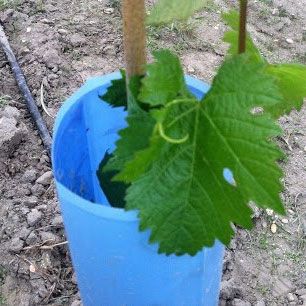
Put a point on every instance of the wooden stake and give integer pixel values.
(134, 36)
(242, 26)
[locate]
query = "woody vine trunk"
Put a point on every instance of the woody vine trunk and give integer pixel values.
(242, 26)
(134, 36)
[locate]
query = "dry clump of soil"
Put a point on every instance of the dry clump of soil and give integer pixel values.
(60, 44)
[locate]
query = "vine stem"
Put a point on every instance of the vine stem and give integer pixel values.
(242, 26)
(134, 42)
(134, 36)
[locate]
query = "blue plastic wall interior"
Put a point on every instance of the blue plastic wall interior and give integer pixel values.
(114, 263)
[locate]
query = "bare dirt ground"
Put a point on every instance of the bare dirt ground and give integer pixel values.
(60, 44)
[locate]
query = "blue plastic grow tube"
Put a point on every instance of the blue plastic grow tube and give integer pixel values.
(113, 261)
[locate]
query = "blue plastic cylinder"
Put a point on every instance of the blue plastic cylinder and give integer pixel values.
(114, 263)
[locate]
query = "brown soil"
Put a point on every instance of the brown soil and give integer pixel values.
(60, 44)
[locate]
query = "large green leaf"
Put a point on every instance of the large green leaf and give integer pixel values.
(182, 195)
(164, 80)
(141, 161)
(291, 79)
(114, 191)
(166, 11)
(116, 94)
(134, 137)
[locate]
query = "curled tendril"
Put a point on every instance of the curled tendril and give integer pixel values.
(169, 139)
(160, 127)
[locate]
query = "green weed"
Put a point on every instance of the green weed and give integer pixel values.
(4, 100)
(266, 1)
(6, 4)
(211, 6)
(115, 4)
(301, 58)
(263, 241)
(2, 301)
(294, 257)
(263, 290)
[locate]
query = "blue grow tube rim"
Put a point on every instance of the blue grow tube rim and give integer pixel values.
(103, 211)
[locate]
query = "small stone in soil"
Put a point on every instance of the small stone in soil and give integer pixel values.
(22, 191)
(229, 290)
(222, 303)
(109, 50)
(303, 298)
(32, 239)
(76, 303)
(48, 236)
(77, 40)
(260, 303)
(24, 210)
(6, 15)
(51, 58)
(238, 302)
(57, 220)
(10, 136)
(52, 76)
(74, 278)
(190, 69)
(46, 262)
(62, 31)
(45, 179)
(273, 228)
(39, 285)
(24, 233)
(11, 112)
(31, 201)
(42, 207)
(38, 190)
(291, 297)
(301, 291)
(109, 10)
(289, 41)
(16, 245)
(34, 217)
(44, 159)
(47, 21)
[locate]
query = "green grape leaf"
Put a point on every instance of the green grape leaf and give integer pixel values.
(135, 137)
(182, 196)
(114, 191)
(116, 94)
(132, 94)
(231, 18)
(165, 11)
(291, 79)
(141, 161)
(164, 80)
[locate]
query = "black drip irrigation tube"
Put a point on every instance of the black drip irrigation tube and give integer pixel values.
(22, 84)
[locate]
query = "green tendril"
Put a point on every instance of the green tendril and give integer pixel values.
(174, 102)
(169, 139)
